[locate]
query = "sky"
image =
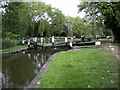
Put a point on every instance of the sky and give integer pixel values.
(68, 7)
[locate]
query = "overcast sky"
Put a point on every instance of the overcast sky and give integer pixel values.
(68, 7)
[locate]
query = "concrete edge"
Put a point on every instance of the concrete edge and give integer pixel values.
(14, 51)
(41, 73)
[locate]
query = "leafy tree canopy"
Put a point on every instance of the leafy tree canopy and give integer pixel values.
(107, 13)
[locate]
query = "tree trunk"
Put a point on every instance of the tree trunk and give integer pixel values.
(116, 32)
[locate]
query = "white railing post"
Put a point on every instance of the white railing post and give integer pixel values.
(29, 43)
(41, 40)
(71, 45)
(53, 40)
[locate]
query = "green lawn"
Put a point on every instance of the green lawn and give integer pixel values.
(86, 68)
(13, 48)
(105, 40)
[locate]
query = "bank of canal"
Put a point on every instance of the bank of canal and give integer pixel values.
(84, 68)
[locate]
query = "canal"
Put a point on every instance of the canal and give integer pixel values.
(19, 69)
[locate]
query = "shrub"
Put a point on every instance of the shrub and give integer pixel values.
(11, 35)
(8, 43)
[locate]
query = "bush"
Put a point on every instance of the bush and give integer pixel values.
(8, 43)
(11, 35)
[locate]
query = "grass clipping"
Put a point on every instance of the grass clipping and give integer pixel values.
(86, 68)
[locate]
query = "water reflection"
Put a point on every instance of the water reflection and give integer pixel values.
(29, 55)
(19, 69)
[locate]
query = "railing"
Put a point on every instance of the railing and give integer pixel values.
(63, 40)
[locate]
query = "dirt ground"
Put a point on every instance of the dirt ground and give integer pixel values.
(110, 46)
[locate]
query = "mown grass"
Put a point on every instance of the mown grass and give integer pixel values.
(86, 68)
(13, 48)
(105, 40)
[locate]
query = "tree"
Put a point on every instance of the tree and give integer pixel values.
(10, 19)
(77, 25)
(31, 19)
(82, 27)
(57, 22)
(107, 13)
(67, 31)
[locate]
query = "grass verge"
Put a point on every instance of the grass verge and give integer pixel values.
(92, 46)
(13, 48)
(86, 68)
(105, 40)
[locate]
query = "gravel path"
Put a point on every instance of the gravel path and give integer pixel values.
(115, 49)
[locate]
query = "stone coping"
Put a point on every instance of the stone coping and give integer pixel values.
(41, 73)
(14, 51)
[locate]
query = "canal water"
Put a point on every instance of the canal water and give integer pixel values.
(19, 69)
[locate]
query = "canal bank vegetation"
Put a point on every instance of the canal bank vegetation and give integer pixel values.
(11, 44)
(8, 43)
(85, 68)
(14, 48)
